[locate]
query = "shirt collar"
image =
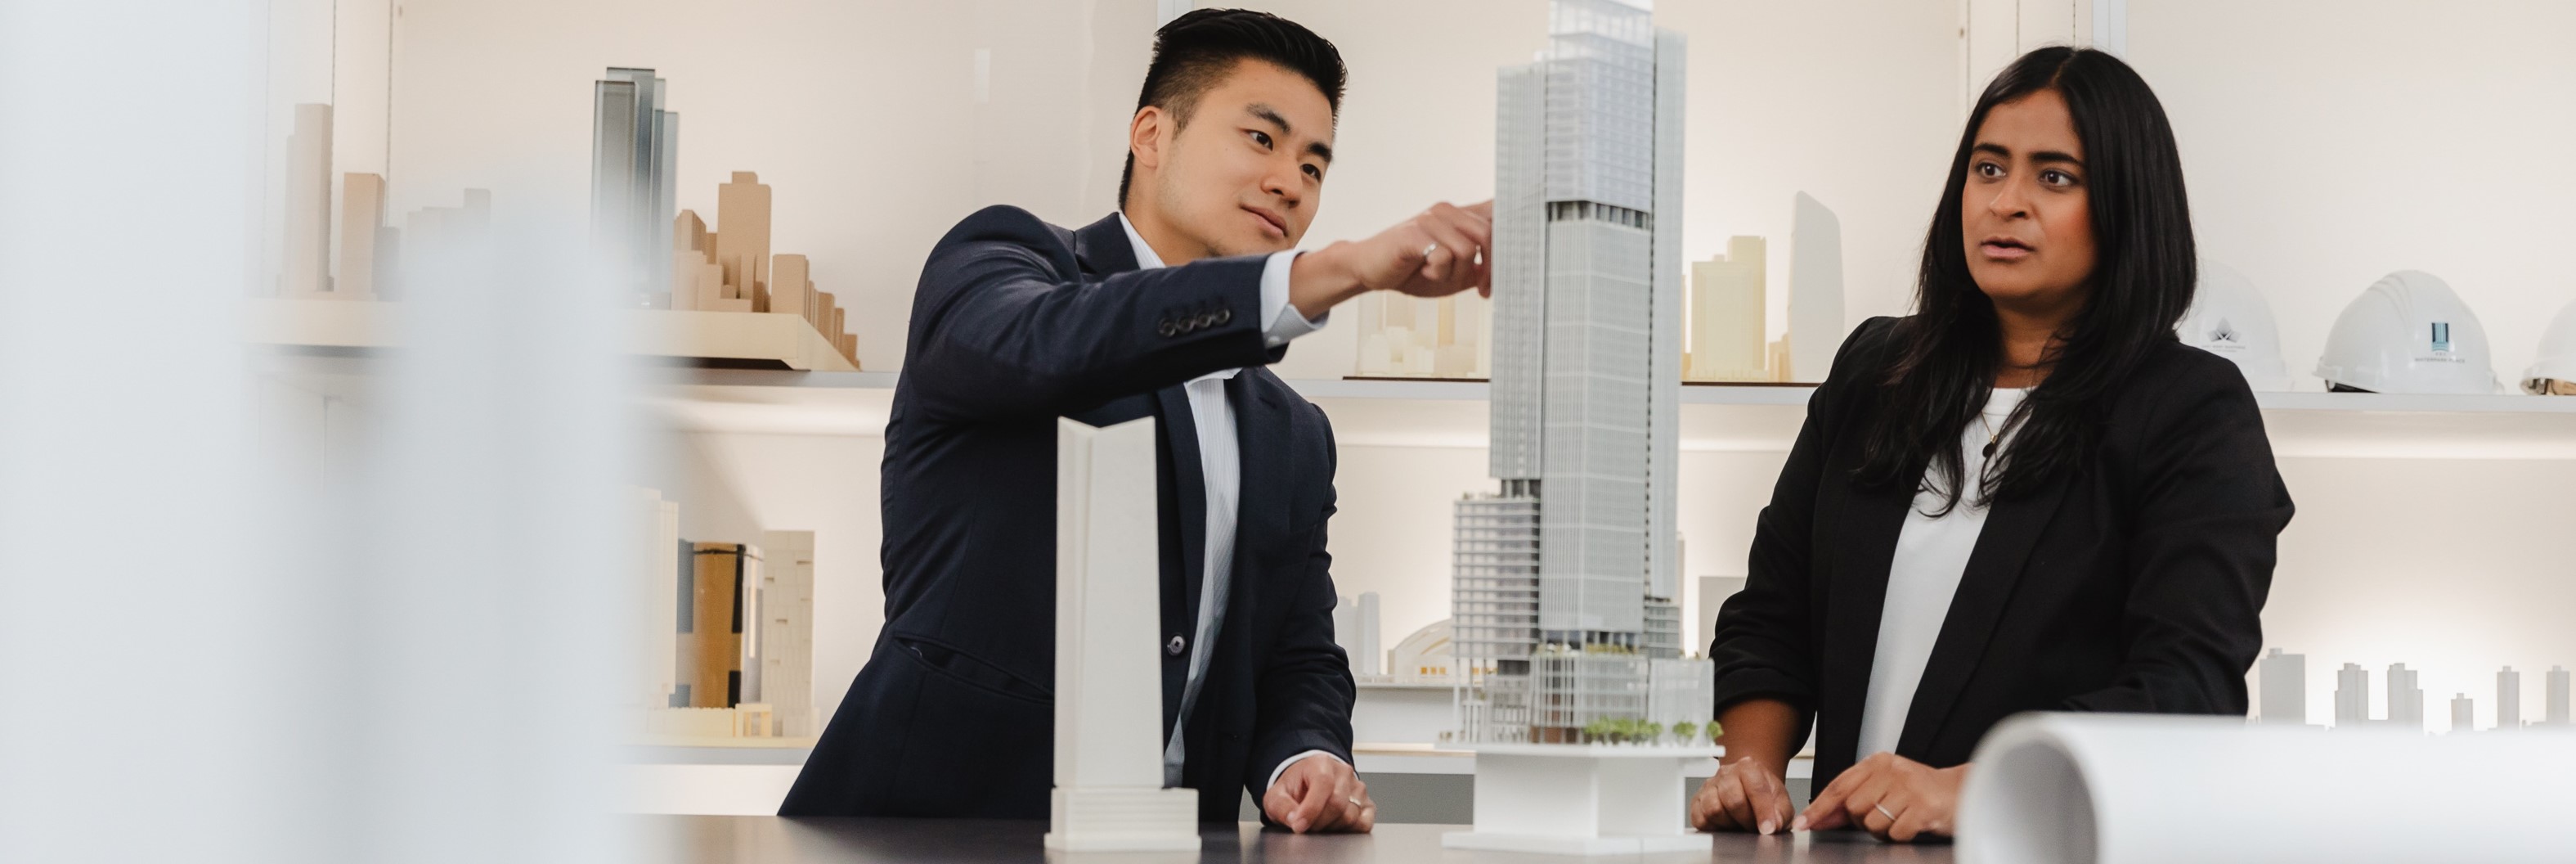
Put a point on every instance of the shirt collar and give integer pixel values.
(1147, 260)
(1145, 257)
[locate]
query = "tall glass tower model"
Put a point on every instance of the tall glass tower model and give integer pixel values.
(1566, 580)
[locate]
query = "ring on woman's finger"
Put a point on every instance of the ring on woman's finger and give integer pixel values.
(1882, 810)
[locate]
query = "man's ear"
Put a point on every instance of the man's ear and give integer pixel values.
(1147, 134)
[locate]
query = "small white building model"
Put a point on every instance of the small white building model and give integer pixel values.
(2556, 704)
(2352, 697)
(1728, 317)
(2508, 699)
(1109, 794)
(2285, 688)
(2405, 699)
(787, 637)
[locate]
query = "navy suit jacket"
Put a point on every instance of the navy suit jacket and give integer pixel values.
(1017, 322)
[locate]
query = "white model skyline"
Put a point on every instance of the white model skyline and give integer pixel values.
(2283, 697)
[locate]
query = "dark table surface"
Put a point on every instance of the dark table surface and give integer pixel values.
(772, 840)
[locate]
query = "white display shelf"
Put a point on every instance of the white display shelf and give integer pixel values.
(743, 337)
(1721, 418)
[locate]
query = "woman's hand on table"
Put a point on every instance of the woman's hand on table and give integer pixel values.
(1744, 796)
(1890, 796)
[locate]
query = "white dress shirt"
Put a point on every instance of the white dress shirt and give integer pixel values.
(1931, 555)
(1221, 465)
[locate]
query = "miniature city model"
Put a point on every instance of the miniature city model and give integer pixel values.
(1423, 337)
(730, 654)
(662, 257)
(1109, 794)
(1565, 618)
(368, 266)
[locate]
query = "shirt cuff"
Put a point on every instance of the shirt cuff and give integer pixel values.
(1292, 760)
(1281, 322)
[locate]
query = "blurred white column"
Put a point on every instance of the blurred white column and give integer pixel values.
(245, 617)
(143, 697)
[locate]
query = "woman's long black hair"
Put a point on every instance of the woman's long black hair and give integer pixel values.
(1944, 358)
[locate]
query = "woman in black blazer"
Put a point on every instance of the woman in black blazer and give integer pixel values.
(2027, 496)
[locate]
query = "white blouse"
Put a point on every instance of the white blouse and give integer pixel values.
(1931, 554)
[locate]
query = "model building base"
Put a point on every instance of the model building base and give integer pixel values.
(1124, 820)
(1582, 799)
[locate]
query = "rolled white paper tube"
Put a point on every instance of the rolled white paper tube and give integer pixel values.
(2134, 789)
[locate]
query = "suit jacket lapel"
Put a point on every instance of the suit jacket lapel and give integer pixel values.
(1994, 567)
(1102, 248)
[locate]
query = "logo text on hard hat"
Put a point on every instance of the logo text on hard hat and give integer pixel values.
(2441, 338)
(2224, 332)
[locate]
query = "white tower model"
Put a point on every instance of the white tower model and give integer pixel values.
(2285, 688)
(1816, 326)
(2508, 699)
(2352, 697)
(2405, 699)
(787, 638)
(2556, 695)
(1563, 604)
(1109, 794)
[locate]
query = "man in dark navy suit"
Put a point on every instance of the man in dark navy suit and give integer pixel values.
(1169, 308)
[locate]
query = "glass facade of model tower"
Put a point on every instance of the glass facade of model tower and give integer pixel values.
(1586, 386)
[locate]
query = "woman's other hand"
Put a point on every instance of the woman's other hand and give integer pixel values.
(1894, 798)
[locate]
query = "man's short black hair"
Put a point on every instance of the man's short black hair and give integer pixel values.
(1194, 52)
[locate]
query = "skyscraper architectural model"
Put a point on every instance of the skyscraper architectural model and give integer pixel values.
(1109, 794)
(1560, 576)
(635, 145)
(1567, 577)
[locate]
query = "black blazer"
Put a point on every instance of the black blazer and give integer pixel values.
(2135, 586)
(1017, 322)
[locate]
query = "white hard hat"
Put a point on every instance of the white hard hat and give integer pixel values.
(2408, 334)
(2229, 318)
(2557, 354)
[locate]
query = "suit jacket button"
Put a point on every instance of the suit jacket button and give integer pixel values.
(1174, 647)
(1168, 328)
(1224, 315)
(1206, 320)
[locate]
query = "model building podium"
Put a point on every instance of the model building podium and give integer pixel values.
(1109, 794)
(1566, 618)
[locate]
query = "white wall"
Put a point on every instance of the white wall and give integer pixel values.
(2330, 142)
